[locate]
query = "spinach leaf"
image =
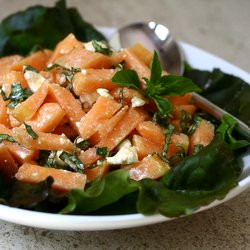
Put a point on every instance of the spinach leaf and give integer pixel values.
(100, 193)
(44, 27)
(226, 130)
(227, 91)
(196, 181)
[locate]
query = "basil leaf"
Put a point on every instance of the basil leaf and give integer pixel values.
(127, 78)
(98, 48)
(164, 106)
(72, 161)
(156, 69)
(31, 132)
(172, 85)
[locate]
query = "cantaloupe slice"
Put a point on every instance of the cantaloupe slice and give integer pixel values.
(89, 80)
(152, 167)
(63, 180)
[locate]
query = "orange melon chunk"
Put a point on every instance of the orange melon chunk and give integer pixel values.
(68, 103)
(27, 109)
(123, 128)
(37, 60)
(63, 47)
(181, 100)
(11, 77)
(8, 166)
(145, 146)
(107, 126)
(135, 63)
(63, 180)
(7, 62)
(47, 117)
(150, 167)
(142, 53)
(45, 141)
(85, 59)
(98, 171)
(151, 131)
(203, 135)
(102, 110)
(4, 117)
(93, 79)
(19, 153)
(177, 110)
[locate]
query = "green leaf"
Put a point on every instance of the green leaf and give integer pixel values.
(98, 48)
(227, 91)
(31, 132)
(17, 95)
(22, 31)
(29, 195)
(72, 161)
(173, 85)
(226, 129)
(196, 181)
(127, 78)
(102, 151)
(155, 69)
(164, 106)
(103, 192)
(7, 138)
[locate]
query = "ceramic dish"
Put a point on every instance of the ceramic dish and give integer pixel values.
(198, 59)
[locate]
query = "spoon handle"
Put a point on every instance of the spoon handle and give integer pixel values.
(217, 112)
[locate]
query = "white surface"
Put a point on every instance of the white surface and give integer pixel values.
(198, 59)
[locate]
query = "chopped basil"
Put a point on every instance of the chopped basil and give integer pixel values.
(68, 73)
(102, 151)
(185, 121)
(17, 95)
(31, 132)
(6, 137)
(29, 68)
(168, 133)
(72, 161)
(82, 144)
(121, 95)
(121, 65)
(103, 50)
(179, 155)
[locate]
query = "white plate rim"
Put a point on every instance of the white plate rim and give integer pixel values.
(94, 223)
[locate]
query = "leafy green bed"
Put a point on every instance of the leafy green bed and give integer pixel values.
(196, 181)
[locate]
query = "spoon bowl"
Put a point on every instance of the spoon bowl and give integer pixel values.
(153, 36)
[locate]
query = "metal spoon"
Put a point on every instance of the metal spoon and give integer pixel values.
(155, 36)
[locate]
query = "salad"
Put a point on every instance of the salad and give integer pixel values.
(85, 129)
